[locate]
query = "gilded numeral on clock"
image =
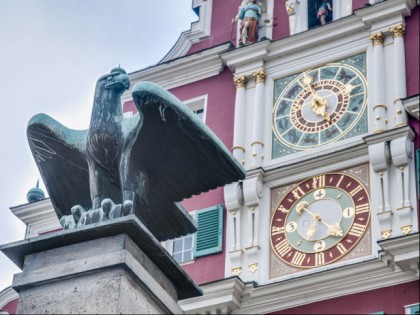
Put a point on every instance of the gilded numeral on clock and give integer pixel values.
(298, 258)
(282, 209)
(319, 245)
(357, 230)
(283, 247)
(362, 208)
(356, 190)
(298, 191)
(318, 182)
(341, 248)
(319, 259)
(277, 230)
(339, 181)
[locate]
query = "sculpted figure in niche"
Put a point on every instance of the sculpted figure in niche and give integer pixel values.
(322, 14)
(250, 15)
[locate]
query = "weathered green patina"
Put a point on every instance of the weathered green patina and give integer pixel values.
(146, 164)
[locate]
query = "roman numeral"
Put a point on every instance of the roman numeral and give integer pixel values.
(283, 247)
(339, 181)
(318, 182)
(277, 230)
(298, 258)
(362, 208)
(357, 230)
(356, 190)
(296, 192)
(341, 248)
(319, 259)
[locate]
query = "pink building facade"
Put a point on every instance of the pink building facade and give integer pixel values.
(272, 247)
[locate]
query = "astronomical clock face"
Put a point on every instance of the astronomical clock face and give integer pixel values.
(319, 106)
(320, 220)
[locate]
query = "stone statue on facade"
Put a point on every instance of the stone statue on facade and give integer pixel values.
(249, 12)
(142, 165)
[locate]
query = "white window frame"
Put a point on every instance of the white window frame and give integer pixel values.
(169, 244)
(408, 308)
(197, 103)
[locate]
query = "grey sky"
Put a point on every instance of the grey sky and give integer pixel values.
(51, 53)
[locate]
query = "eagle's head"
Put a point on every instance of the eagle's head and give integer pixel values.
(117, 80)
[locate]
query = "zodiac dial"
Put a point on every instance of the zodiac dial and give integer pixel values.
(320, 220)
(319, 106)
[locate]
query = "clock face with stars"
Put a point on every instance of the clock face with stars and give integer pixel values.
(320, 220)
(319, 106)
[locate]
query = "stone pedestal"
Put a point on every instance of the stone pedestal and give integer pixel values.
(111, 267)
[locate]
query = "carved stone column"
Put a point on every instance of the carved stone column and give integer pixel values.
(399, 76)
(401, 151)
(252, 188)
(379, 157)
(379, 108)
(291, 7)
(257, 144)
(238, 148)
(233, 201)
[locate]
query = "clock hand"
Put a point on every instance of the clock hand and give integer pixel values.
(311, 230)
(319, 104)
(332, 229)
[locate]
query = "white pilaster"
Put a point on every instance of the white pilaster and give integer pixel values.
(401, 151)
(379, 97)
(379, 157)
(233, 201)
(252, 188)
(257, 144)
(238, 148)
(399, 76)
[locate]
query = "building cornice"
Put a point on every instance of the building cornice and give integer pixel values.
(34, 212)
(332, 283)
(411, 105)
(337, 156)
(182, 71)
(390, 135)
(199, 31)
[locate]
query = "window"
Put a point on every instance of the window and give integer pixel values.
(198, 105)
(207, 240)
(316, 9)
(412, 309)
(183, 248)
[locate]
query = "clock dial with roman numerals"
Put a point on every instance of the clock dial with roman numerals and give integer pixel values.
(320, 220)
(319, 106)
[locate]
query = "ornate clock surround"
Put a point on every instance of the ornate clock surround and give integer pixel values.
(319, 106)
(350, 246)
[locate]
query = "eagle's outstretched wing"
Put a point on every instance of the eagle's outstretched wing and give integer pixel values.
(181, 156)
(58, 152)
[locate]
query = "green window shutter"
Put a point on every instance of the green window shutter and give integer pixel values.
(208, 238)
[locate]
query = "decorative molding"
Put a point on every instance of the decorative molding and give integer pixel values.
(237, 297)
(240, 82)
(402, 251)
(40, 217)
(7, 295)
(199, 31)
(259, 76)
(397, 30)
(181, 71)
(411, 105)
(377, 39)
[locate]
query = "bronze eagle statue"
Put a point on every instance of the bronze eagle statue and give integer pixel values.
(146, 164)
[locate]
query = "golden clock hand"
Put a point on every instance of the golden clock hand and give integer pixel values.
(319, 104)
(311, 231)
(332, 229)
